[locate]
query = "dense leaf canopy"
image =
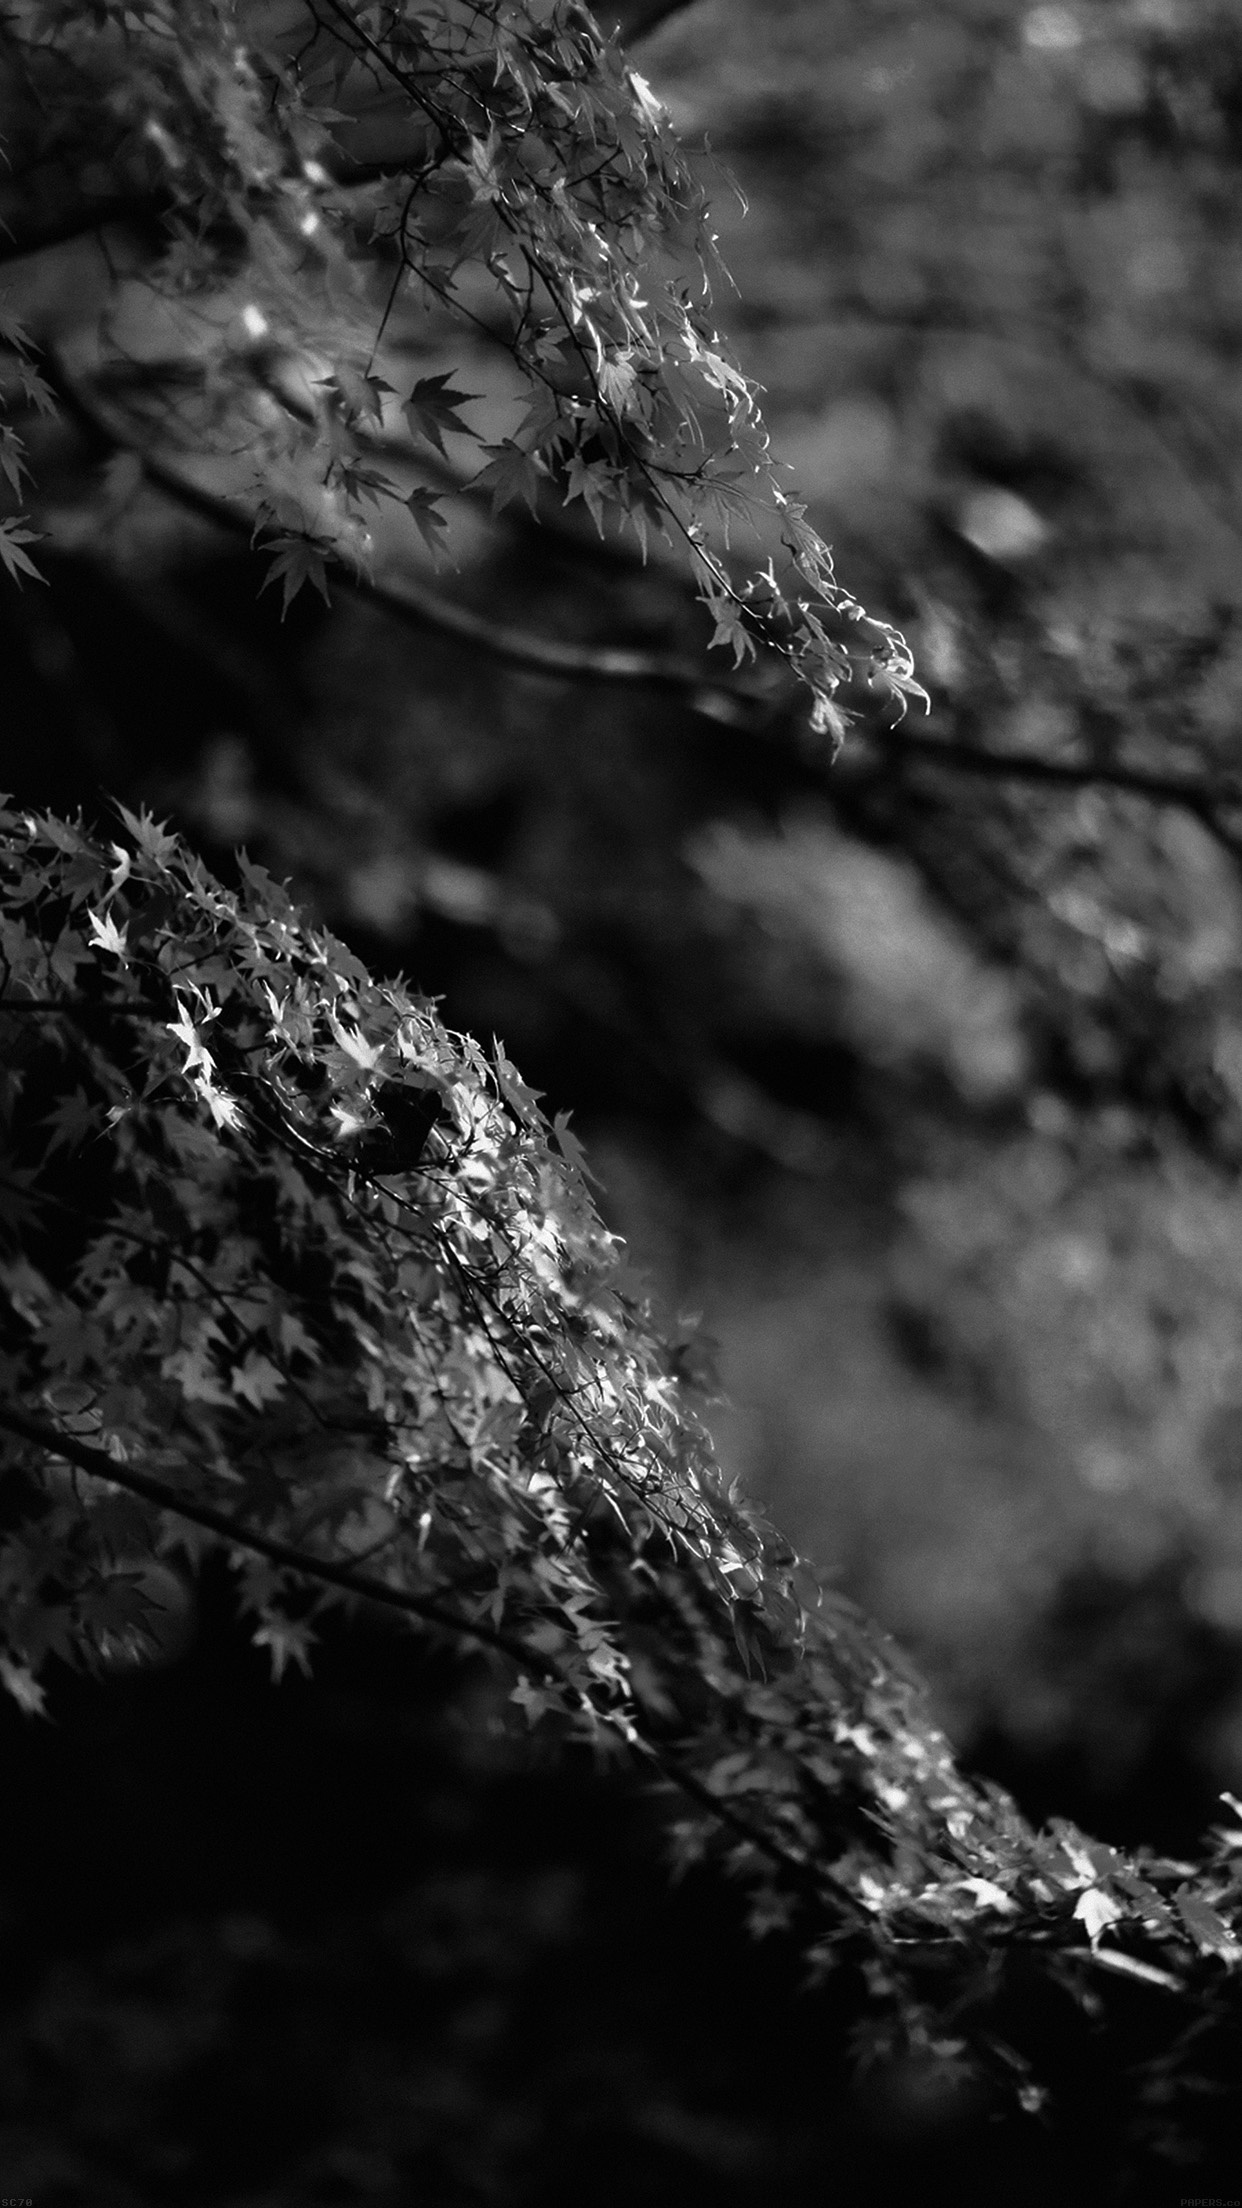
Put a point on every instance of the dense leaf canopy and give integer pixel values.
(319, 179)
(315, 1283)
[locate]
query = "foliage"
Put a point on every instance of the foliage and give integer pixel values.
(987, 279)
(314, 1283)
(295, 1272)
(999, 280)
(319, 185)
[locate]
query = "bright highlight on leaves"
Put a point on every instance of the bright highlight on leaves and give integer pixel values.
(531, 192)
(325, 1291)
(370, 1349)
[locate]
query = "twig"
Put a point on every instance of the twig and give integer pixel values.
(99, 1465)
(416, 604)
(1186, 791)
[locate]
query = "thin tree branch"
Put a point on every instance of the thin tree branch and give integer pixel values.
(1193, 796)
(99, 1465)
(416, 604)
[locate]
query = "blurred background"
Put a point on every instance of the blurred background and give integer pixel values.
(916, 1081)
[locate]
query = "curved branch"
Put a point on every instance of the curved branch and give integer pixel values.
(417, 605)
(1185, 791)
(99, 1465)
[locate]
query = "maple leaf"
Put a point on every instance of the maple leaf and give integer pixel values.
(358, 483)
(479, 165)
(649, 107)
(1097, 1910)
(591, 483)
(827, 719)
(12, 332)
(534, 1702)
(224, 1109)
(989, 1895)
(570, 1147)
(36, 391)
(21, 1683)
(18, 563)
(71, 1121)
(106, 935)
(510, 474)
(196, 1375)
(347, 1123)
(286, 1642)
(428, 517)
(431, 411)
(1207, 1929)
(731, 629)
(355, 1045)
(296, 561)
(360, 394)
(258, 1381)
(150, 835)
(721, 375)
(196, 1052)
(294, 1337)
(12, 462)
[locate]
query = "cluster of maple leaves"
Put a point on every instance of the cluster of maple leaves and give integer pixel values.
(292, 1271)
(287, 1268)
(323, 182)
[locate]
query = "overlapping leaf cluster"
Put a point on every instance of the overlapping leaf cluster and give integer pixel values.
(316, 171)
(292, 1270)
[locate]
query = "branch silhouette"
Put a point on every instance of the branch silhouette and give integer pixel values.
(416, 604)
(363, 1586)
(1193, 795)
